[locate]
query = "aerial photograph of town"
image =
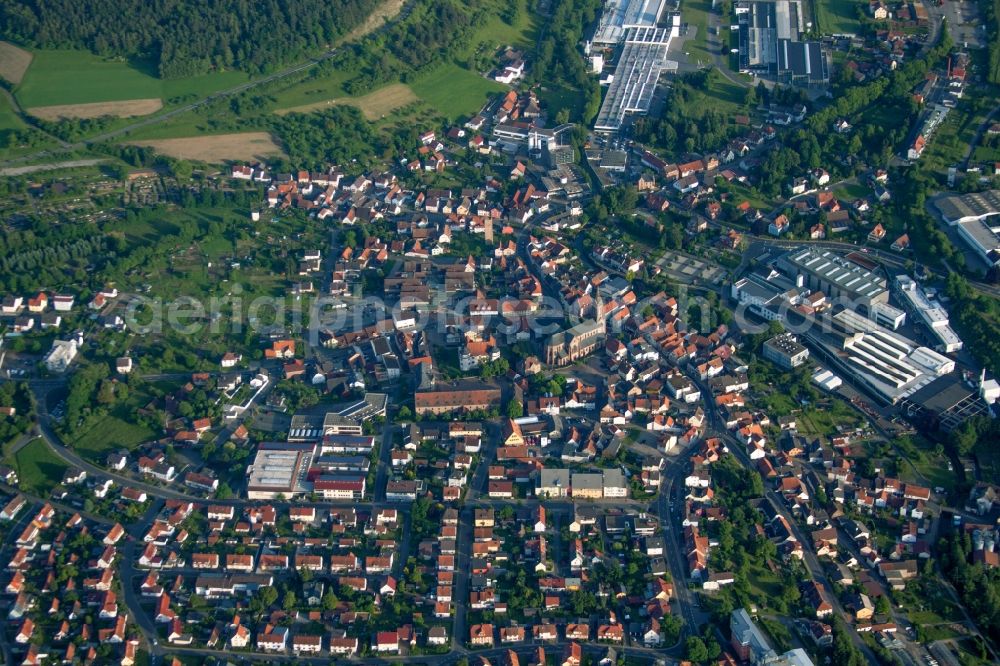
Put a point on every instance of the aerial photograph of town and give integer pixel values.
(500, 332)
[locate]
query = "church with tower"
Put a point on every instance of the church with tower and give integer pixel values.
(574, 343)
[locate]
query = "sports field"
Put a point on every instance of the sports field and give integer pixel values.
(219, 147)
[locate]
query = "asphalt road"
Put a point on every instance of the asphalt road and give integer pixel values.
(738, 449)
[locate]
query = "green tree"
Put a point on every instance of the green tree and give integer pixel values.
(695, 650)
(514, 409)
(882, 605)
(264, 598)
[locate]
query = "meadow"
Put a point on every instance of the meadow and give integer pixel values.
(9, 120)
(453, 91)
(38, 468)
(374, 106)
(62, 77)
(838, 17)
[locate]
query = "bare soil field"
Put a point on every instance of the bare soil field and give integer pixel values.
(122, 109)
(219, 147)
(384, 12)
(373, 105)
(14, 62)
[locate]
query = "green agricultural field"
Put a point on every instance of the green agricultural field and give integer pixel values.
(58, 77)
(39, 470)
(453, 91)
(838, 16)
(8, 119)
(312, 90)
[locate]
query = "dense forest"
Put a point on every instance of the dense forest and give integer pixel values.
(183, 37)
(978, 585)
(977, 317)
(690, 121)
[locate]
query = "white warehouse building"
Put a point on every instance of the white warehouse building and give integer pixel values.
(930, 313)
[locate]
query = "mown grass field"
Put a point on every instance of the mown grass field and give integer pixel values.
(39, 470)
(14, 62)
(839, 16)
(450, 90)
(122, 109)
(237, 146)
(454, 91)
(58, 76)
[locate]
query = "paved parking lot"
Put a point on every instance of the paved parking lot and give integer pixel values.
(690, 270)
(964, 23)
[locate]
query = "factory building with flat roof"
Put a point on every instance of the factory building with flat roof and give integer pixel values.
(785, 351)
(769, 44)
(633, 25)
(889, 364)
(839, 277)
(950, 401)
(976, 218)
(619, 15)
(929, 312)
(279, 469)
(642, 61)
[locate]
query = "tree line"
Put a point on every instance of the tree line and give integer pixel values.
(991, 19)
(182, 37)
(558, 63)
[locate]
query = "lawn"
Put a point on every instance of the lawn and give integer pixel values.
(851, 191)
(764, 585)
(838, 16)
(725, 92)
(78, 77)
(39, 470)
(454, 91)
(696, 14)
(927, 468)
(111, 433)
